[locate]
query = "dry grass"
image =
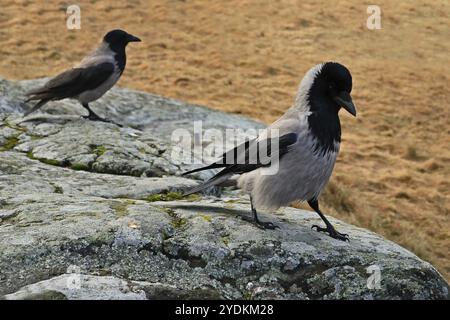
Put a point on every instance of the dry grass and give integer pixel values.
(247, 56)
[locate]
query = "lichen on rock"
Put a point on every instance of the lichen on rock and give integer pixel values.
(107, 202)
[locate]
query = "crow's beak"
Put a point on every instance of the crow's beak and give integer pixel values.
(132, 38)
(344, 99)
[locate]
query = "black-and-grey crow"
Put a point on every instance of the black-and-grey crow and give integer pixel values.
(308, 144)
(91, 78)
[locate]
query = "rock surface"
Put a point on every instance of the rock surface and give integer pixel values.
(90, 210)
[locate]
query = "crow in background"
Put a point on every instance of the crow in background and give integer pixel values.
(91, 78)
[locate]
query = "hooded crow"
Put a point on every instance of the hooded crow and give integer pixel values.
(91, 78)
(309, 136)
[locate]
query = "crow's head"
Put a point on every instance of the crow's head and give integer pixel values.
(328, 86)
(119, 38)
(339, 82)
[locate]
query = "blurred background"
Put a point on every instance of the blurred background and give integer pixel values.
(248, 57)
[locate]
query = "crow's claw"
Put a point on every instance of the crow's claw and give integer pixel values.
(266, 225)
(262, 225)
(94, 117)
(332, 232)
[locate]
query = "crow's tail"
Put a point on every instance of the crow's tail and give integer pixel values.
(211, 166)
(211, 182)
(36, 106)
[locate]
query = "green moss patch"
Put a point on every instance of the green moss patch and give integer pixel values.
(120, 208)
(99, 150)
(51, 162)
(170, 196)
(205, 217)
(79, 166)
(175, 220)
(58, 189)
(225, 240)
(10, 143)
(14, 126)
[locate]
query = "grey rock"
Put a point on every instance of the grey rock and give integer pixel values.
(79, 286)
(27, 176)
(82, 217)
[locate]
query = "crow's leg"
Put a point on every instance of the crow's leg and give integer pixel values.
(95, 117)
(92, 115)
(314, 204)
(257, 222)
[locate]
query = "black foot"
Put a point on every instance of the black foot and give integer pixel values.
(332, 232)
(261, 224)
(94, 117)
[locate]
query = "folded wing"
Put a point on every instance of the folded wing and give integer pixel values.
(247, 157)
(70, 84)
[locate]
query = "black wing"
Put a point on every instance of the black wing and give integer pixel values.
(256, 149)
(222, 162)
(70, 84)
(248, 160)
(75, 81)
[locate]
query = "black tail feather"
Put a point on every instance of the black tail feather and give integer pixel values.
(218, 179)
(211, 166)
(36, 107)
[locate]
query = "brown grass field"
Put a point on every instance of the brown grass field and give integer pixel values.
(248, 56)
